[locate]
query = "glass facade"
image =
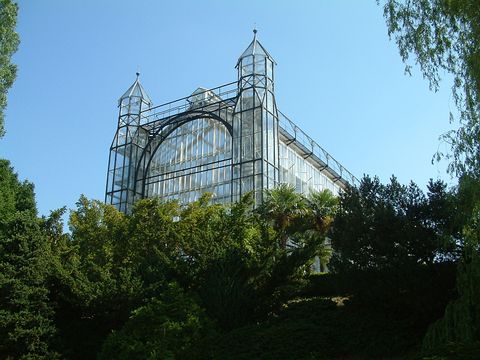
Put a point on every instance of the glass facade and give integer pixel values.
(228, 141)
(195, 158)
(303, 174)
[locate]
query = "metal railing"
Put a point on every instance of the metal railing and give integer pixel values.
(172, 108)
(310, 148)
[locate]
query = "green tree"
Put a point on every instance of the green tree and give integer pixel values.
(323, 206)
(166, 327)
(97, 287)
(151, 246)
(26, 258)
(461, 321)
(8, 46)
(393, 226)
(115, 271)
(283, 206)
(444, 36)
(232, 256)
(394, 248)
(298, 226)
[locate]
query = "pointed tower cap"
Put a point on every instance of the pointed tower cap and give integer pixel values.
(255, 48)
(136, 90)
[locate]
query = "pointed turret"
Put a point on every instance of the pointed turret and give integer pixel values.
(255, 48)
(136, 91)
(256, 67)
(127, 145)
(255, 124)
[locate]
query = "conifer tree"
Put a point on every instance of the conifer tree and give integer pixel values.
(26, 316)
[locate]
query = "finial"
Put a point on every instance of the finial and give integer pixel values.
(138, 74)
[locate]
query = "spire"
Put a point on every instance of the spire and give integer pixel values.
(255, 48)
(136, 90)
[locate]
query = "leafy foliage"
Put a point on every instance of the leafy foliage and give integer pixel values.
(394, 249)
(167, 327)
(444, 35)
(169, 281)
(96, 287)
(393, 226)
(26, 314)
(456, 351)
(8, 46)
(461, 322)
(231, 259)
(316, 328)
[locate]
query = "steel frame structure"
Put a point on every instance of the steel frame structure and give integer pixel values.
(228, 140)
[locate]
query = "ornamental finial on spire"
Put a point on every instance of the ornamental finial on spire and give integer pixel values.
(255, 48)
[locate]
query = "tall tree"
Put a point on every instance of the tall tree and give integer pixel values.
(9, 41)
(444, 36)
(101, 289)
(389, 226)
(26, 315)
(461, 321)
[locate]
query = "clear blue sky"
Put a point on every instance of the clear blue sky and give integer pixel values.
(338, 77)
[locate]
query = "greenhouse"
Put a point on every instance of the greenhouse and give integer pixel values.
(228, 140)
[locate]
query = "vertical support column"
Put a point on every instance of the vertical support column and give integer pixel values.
(126, 149)
(255, 125)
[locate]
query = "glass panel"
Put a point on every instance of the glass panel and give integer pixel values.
(257, 120)
(247, 122)
(247, 169)
(247, 148)
(260, 65)
(269, 69)
(247, 184)
(247, 99)
(247, 70)
(269, 101)
(247, 60)
(258, 145)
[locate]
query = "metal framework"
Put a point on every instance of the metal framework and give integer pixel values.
(228, 140)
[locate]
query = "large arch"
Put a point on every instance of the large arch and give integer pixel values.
(162, 134)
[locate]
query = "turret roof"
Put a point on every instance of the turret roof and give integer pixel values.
(136, 90)
(255, 48)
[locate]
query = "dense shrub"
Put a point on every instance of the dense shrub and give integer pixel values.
(394, 227)
(318, 329)
(460, 324)
(167, 327)
(324, 285)
(456, 351)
